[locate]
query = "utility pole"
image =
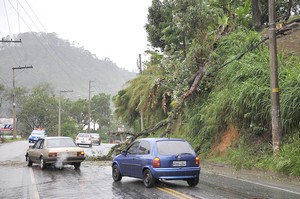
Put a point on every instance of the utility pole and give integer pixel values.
(59, 109)
(275, 104)
(139, 64)
(14, 99)
(89, 107)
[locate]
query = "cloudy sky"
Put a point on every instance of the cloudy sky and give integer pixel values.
(107, 28)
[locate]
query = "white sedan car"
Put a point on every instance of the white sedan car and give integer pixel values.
(84, 139)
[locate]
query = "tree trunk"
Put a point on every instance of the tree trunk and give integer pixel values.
(256, 15)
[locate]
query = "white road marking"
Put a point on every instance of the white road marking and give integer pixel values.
(35, 191)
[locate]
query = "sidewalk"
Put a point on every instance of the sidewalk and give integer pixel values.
(257, 176)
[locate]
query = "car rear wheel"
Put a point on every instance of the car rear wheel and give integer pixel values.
(193, 181)
(29, 162)
(42, 163)
(116, 173)
(148, 179)
(77, 165)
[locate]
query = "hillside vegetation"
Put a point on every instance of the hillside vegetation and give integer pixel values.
(208, 80)
(60, 63)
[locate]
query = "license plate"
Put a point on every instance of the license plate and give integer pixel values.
(82, 141)
(179, 163)
(67, 154)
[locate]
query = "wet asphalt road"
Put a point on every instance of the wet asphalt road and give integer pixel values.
(94, 180)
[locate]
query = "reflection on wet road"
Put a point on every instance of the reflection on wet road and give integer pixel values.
(91, 181)
(94, 180)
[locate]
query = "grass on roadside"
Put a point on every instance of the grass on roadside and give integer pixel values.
(245, 156)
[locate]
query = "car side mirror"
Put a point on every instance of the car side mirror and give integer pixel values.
(30, 146)
(124, 153)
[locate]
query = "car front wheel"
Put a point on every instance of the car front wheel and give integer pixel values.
(193, 181)
(116, 173)
(149, 180)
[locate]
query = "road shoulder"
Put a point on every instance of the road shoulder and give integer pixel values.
(267, 178)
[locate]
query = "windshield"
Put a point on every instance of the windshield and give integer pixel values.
(38, 133)
(174, 147)
(83, 135)
(60, 142)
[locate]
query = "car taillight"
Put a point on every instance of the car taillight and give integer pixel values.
(81, 153)
(197, 161)
(156, 162)
(52, 154)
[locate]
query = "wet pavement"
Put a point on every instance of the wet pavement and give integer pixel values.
(94, 180)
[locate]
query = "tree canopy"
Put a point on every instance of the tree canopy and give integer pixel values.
(208, 70)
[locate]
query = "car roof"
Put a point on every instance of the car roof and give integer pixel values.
(160, 139)
(55, 137)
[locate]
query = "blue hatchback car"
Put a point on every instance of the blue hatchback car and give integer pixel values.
(152, 159)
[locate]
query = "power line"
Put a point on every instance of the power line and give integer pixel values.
(57, 54)
(36, 16)
(7, 17)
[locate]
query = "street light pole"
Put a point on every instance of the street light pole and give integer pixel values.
(59, 109)
(14, 101)
(89, 107)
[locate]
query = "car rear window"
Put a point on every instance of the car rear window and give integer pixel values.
(174, 147)
(37, 133)
(59, 142)
(83, 135)
(95, 135)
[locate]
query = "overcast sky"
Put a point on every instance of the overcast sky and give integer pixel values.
(107, 28)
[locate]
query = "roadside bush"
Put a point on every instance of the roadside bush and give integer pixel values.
(288, 161)
(245, 156)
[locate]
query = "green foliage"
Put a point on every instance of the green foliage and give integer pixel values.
(244, 155)
(100, 109)
(239, 94)
(39, 109)
(243, 14)
(144, 95)
(192, 34)
(288, 160)
(68, 127)
(289, 93)
(79, 111)
(159, 23)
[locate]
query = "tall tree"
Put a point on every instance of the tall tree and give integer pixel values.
(100, 109)
(79, 111)
(39, 109)
(256, 15)
(159, 24)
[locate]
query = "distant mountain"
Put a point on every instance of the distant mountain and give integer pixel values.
(60, 63)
